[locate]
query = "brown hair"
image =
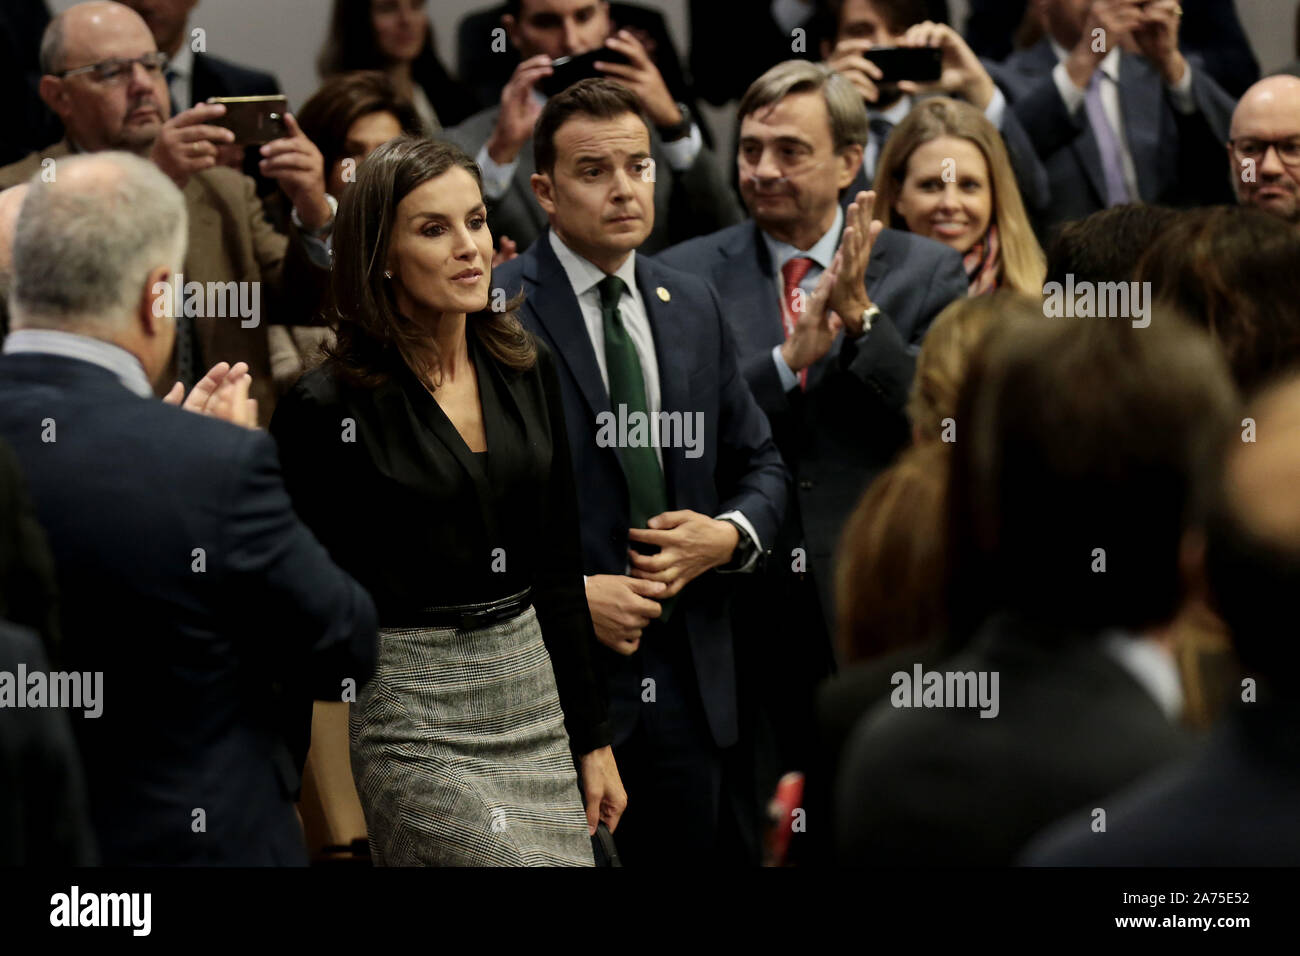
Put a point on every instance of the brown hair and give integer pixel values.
(1023, 264)
(346, 98)
(372, 334)
(597, 98)
(1080, 435)
(1107, 245)
(1236, 271)
(946, 353)
(897, 14)
(889, 570)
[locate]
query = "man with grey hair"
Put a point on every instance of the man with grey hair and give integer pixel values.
(1264, 148)
(104, 77)
(187, 581)
(834, 391)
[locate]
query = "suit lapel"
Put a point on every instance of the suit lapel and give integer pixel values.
(556, 309)
(1140, 105)
(672, 337)
(735, 279)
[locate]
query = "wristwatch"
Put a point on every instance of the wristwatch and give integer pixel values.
(679, 130)
(745, 547)
(868, 316)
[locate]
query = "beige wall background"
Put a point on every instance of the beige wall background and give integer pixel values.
(285, 35)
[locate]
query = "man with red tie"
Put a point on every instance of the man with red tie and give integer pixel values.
(834, 389)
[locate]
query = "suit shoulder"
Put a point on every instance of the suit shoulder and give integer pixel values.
(915, 247)
(27, 167)
(227, 186)
(473, 132)
(694, 251)
(673, 278)
(509, 275)
(239, 80)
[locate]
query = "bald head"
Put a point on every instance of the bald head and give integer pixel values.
(11, 201)
(125, 112)
(1267, 115)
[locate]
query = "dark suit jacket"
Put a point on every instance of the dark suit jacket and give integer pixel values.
(231, 240)
(687, 204)
(28, 123)
(739, 468)
(43, 815)
(192, 646)
(1179, 159)
(850, 422)
(28, 595)
(1233, 804)
(945, 786)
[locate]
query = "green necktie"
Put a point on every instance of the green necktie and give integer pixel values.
(647, 492)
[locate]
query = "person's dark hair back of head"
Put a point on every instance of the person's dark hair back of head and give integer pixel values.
(1236, 271)
(342, 100)
(1082, 444)
(1106, 246)
(1252, 552)
(373, 335)
(596, 98)
(897, 14)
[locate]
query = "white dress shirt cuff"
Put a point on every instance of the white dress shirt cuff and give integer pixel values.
(496, 176)
(1181, 93)
(789, 378)
(997, 108)
(748, 528)
(681, 153)
(1070, 94)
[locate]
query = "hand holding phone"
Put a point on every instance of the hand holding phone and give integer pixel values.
(254, 120)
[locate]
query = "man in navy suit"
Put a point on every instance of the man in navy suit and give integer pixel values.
(702, 488)
(186, 579)
(1114, 126)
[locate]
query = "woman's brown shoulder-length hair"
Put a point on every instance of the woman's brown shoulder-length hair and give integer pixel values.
(373, 335)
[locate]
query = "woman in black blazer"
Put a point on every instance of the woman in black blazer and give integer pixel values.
(429, 456)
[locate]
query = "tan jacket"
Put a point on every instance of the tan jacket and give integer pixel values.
(231, 240)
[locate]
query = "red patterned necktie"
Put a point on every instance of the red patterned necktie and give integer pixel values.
(792, 273)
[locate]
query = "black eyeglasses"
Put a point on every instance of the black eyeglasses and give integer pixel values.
(117, 69)
(1253, 148)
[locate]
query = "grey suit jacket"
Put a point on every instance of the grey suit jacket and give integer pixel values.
(1178, 158)
(688, 203)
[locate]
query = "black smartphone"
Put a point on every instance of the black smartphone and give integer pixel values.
(921, 64)
(253, 119)
(571, 69)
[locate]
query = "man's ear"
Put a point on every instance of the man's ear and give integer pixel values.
(544, 190)
(54, 94)
(849, 163)
(158, 305)
(512, 29)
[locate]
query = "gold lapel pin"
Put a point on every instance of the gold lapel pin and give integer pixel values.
(663, 294)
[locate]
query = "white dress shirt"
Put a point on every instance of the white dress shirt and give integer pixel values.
(822, 252)
(117, 360)
(584, 278)
(1151, 665)
(1073, 97)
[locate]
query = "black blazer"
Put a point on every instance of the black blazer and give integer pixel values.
(1178, 158)
(28, 594)
(187, 579)
(423, 522)
(945, 786)
(739, 467)
(43, 815)
(1233, 804)
(850, 422)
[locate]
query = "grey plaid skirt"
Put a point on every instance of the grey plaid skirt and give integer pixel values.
(460, 754)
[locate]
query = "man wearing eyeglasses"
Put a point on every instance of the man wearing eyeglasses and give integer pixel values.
(1264, 148)
(104, 78)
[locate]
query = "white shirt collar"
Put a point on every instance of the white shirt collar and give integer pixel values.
(584, 275)
(1109, 64)
(182, 64)
(822, 252)
(106, 355)
(896, 113)
(1151, 665)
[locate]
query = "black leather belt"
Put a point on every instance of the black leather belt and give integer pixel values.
(468, 617)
